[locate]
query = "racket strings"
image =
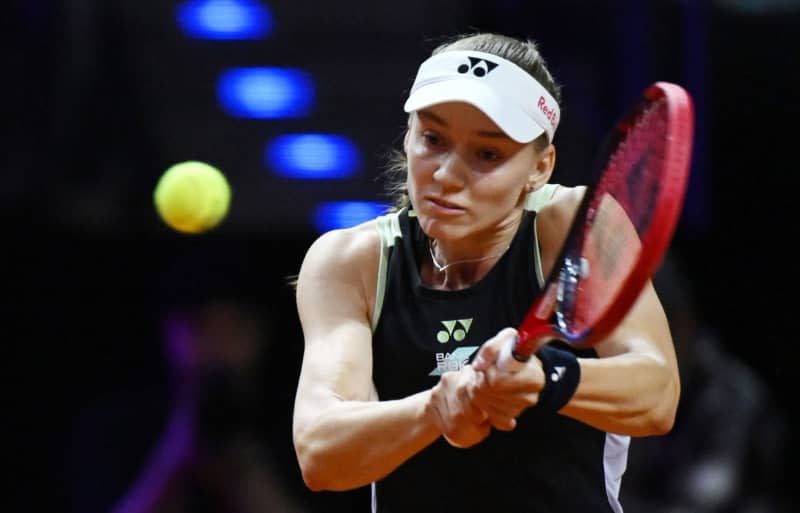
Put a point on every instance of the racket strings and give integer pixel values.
(622, 227)
(619, 218)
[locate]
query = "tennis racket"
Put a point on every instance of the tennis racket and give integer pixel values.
(621, 229)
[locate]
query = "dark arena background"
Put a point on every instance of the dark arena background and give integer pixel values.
(149, 370)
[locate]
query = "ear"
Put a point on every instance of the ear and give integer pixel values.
(543, 169)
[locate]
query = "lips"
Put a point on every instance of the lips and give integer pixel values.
(444, 205)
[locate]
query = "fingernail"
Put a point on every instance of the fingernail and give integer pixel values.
(479, 363)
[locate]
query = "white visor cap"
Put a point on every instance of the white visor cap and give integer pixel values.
(506, 93)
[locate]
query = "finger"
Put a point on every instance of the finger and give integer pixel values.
(501, 419)
(487, 354)
(471, 411)
(503, 423)
(506, 407)
(467, 438)
(530, 378)
(497, 380)
(501, 411)
(480, 395)
(471, 380)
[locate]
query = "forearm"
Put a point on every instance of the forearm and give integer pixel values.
(352, 443)
(629, 394)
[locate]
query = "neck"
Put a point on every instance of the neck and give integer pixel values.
(455, 272)
(442, 265)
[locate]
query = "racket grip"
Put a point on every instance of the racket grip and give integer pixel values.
(507, 361)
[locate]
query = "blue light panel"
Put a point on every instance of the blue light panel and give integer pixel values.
(266, 93)
(344, 214)
(224, 19)
(312, 156)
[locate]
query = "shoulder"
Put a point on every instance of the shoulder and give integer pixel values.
(563, 204)
(345, 260)
(343, 249)
(553, 221)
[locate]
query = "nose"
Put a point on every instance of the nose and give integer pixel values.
(450, 172)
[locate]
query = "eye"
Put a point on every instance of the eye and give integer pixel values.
(431, 139)
(489, 155)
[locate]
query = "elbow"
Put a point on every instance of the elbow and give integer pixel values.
(311, 470)
(313, 480)
(661, 424)
(655, 420)
(319, 473)
(320, 477)
(310, 474)
(663, 413)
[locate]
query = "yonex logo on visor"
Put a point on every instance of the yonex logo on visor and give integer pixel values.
(506, 93)
(480, 67)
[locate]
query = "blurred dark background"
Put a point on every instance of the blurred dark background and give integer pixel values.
(99, 98)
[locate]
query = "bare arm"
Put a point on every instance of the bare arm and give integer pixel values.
(633, 387)
(343, 436)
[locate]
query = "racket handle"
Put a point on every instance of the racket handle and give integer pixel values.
(507, 361)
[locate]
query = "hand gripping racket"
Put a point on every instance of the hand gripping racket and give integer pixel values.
(621, 230)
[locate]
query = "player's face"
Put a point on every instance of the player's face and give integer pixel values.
(466, 177)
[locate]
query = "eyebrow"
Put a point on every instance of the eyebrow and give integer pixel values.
(430, 116)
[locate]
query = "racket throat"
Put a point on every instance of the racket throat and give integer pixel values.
(530, 341)
(572, 272)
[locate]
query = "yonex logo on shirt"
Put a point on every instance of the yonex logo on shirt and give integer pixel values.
(454, 330)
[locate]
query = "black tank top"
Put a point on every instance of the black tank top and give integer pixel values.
(548, 464)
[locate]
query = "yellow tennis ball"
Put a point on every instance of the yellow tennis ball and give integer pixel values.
(192, 197)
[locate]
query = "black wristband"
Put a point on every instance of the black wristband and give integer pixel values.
(562, 375)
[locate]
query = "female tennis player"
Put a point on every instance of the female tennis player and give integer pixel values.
(404, 316)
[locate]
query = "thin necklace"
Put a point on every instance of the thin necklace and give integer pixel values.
(439, 267)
